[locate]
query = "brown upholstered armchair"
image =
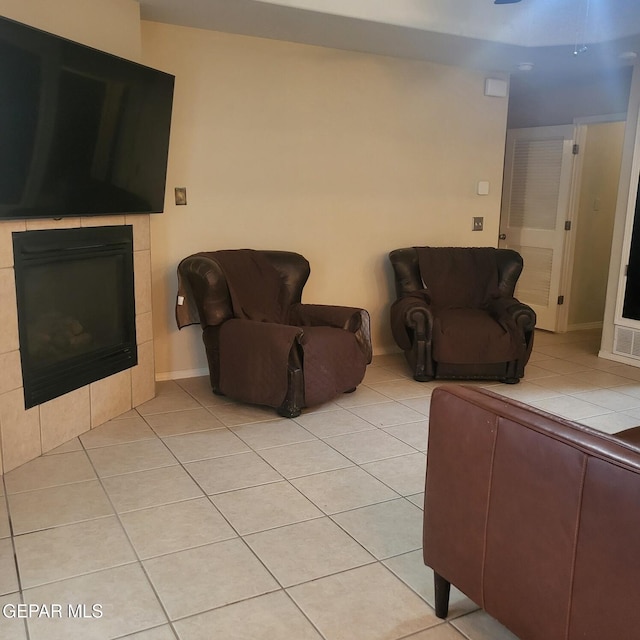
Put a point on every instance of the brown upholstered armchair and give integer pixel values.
(455, 315)
(263, 345)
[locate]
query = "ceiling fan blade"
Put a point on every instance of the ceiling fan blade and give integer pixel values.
(505, 1)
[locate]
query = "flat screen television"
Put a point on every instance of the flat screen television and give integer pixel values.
(82, 132)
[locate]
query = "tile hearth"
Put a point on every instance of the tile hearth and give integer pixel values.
(194, 517)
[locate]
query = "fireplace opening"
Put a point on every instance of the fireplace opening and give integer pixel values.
(76, 309)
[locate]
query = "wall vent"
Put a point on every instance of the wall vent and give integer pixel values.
(627, 342)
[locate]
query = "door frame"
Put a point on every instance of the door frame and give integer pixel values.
(566, 274)
(569, 246)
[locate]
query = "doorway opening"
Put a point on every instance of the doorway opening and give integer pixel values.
(559, 200)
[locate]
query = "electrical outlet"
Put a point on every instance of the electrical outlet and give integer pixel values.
(181, 195)
(478, 224)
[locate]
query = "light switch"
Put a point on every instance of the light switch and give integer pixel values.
(181, 195)
(478, 224)
(483, 188)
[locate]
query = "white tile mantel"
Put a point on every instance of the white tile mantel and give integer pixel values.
(25, 434)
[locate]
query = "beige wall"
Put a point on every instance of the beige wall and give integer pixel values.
(596, 213)
(109, 25)
(337, 155)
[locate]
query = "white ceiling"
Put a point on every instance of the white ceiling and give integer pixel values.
(558, 36)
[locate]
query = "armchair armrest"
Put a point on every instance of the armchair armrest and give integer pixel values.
(255, 358)
(324, 315)
(411, 319)
(203, 294)
(523, 315)
(350, 319)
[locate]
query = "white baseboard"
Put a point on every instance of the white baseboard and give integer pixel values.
(616, 357)
(584, 326)
(193, 373)
(387, 352)
(178, 375)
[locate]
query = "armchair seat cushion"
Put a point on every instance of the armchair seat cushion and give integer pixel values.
(469, 336)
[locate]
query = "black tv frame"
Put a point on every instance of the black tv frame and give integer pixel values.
(82, 132)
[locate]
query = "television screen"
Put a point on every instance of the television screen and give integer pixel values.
(82, 132)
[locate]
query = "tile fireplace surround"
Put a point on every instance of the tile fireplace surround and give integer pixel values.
(25, 434)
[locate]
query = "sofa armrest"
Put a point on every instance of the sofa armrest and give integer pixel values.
(630, 436)
(522, 506)
(350, 319)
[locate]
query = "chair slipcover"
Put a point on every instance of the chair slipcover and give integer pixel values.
(455, 315)
(263, 345)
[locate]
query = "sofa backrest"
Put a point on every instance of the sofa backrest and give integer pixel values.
(535, 518)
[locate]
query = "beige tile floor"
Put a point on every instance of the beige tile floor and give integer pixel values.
(198, 518)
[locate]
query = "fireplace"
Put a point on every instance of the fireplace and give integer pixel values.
(76, 310)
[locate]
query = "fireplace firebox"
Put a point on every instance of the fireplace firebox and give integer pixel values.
(76, 308)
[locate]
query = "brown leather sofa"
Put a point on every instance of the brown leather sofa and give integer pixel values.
(263, 345)
(455, 316)
(533, 517)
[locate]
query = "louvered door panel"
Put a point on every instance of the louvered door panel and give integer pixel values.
(536, 184)
(534, 284)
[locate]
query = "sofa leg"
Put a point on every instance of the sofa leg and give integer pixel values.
(510, 380)
(442, 589)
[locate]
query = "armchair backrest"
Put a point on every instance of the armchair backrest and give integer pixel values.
(456, 276)
(294, 270)
(203, 290)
